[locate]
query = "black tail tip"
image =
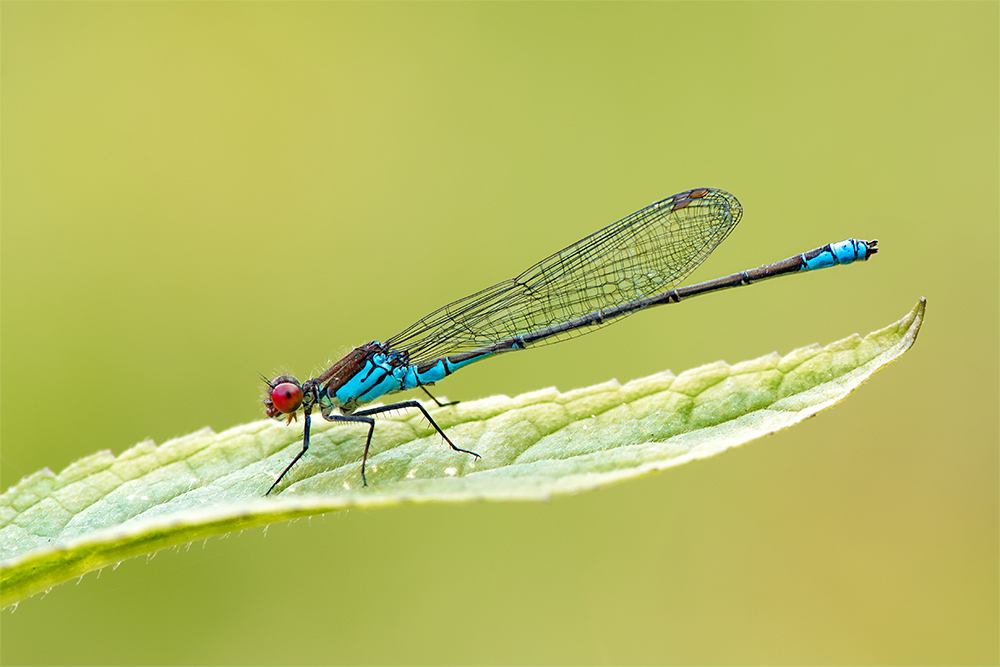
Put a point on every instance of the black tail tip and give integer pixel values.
(872, 246)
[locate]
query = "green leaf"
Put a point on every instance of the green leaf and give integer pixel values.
(102, 509)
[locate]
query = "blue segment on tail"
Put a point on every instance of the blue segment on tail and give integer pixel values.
(437, 372)
(844, 252)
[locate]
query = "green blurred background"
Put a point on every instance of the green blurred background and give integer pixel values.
(192, 193)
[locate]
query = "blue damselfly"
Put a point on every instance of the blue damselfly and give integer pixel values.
(632, 264)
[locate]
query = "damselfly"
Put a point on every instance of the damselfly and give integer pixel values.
(632, 264)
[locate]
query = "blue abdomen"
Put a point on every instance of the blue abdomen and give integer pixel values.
(844, 252)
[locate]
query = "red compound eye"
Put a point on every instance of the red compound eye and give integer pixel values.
(287, 397)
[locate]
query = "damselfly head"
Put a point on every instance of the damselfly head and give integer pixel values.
(284, 397)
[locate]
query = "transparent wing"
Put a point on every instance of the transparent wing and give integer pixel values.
(649, 252)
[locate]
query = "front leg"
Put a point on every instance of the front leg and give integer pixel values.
(305, 447)
(355, 419)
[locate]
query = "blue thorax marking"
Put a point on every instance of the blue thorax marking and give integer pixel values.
(374, 379)
(384, 373)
